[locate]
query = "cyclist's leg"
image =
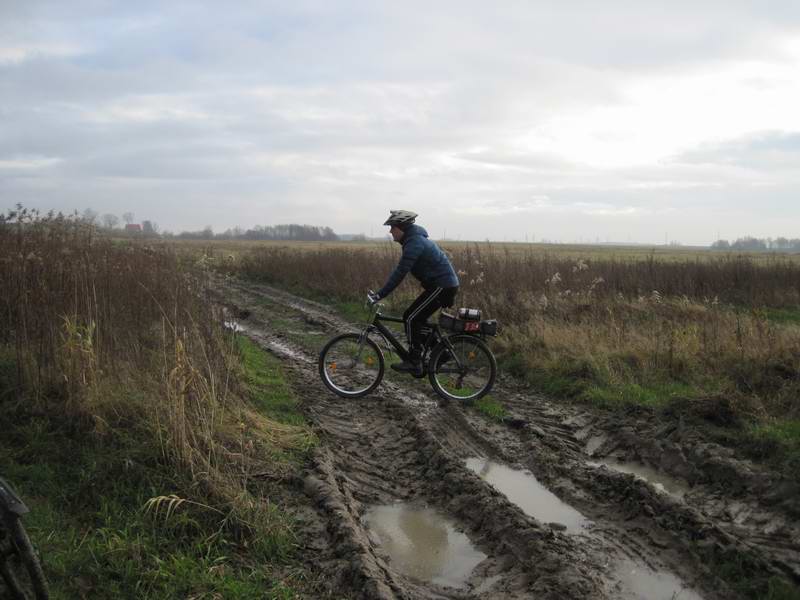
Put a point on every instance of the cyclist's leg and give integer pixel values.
(448, 297)
(423, 307)
(445, 299)
(412, 324)
(416, 316)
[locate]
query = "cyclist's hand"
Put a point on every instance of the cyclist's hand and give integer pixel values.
(372, 297)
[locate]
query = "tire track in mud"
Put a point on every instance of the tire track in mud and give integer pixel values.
(556, 445)
(381, 450)
(399, 445)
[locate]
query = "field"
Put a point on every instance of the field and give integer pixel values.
(718, 330)
(164, 456)
(612, 326)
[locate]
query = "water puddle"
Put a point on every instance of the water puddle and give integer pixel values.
(423, 544)
(284, 350)
(639, 582)
(660, 481)
(523, 489)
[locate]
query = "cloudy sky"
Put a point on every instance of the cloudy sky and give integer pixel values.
(637, 120)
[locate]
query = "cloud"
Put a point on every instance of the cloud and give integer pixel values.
(198, 113)
(769, 151)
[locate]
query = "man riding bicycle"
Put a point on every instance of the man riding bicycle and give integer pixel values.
(427, 263)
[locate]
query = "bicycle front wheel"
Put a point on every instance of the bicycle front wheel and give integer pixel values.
(465, 373)
(351, 366)
(20, 568)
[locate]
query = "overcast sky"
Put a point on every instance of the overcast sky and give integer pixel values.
(568, 120)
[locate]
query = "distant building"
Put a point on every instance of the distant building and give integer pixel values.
(131, 227)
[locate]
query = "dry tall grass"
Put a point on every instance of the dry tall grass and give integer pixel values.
(118, 337)
(699, 327)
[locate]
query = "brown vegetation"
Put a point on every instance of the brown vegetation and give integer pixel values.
(118, 337)
(607, 330)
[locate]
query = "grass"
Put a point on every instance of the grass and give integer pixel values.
(491, 408)
(88, 521)
(742, 573)
(267, 385)
(656, 395)
(776, 442)
(113, 518)
(786, 316)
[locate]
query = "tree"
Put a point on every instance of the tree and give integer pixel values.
(149, 227)
(721, 245)
(782, 243)
(127, 217)
(89, 215)
(749, 243)
(110, 221)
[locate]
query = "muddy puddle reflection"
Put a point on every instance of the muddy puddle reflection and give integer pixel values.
(524, 490)
(660, 481)
(639, 582)
(422, 543)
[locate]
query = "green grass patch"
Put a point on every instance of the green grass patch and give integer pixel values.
(776, 442)
(491, 408)
(88, 493)
(741, 572)
(267, 386)
(87, 497)
(785, 316)
(352, 311)
(654, 395)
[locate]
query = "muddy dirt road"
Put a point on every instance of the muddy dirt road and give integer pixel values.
(410, 499)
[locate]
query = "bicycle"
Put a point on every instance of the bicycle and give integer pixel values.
(20, 568)
(456, 359)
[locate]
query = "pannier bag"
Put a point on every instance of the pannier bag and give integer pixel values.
(489, 327)
(458, 324)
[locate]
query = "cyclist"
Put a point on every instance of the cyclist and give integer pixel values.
(427, 263)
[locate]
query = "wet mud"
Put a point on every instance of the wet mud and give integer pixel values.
(411, 499)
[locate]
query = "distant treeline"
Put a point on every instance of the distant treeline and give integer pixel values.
(305, 233)
(751, 243)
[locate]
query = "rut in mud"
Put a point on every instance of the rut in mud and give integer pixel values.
(417, 500)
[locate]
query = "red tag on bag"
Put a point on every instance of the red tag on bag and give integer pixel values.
(472, 326)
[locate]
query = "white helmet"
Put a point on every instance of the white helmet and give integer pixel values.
(401, 218)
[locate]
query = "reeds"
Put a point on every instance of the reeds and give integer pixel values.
(697, 326)
(122, 337)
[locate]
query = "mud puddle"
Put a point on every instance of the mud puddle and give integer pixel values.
(423, 544)
(657, 479)
(398, 444)
(634, 580)
(639, 582)
(524, 490)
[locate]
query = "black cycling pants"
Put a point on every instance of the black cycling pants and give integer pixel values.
(427, 303)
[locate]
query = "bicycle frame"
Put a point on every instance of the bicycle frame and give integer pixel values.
(448, 358)
(375, 324)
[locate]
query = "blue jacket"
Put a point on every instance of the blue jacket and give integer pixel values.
(425, 260)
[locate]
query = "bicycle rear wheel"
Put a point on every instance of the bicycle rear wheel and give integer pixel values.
(20, 568)
(351, 366)
(468, 375)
